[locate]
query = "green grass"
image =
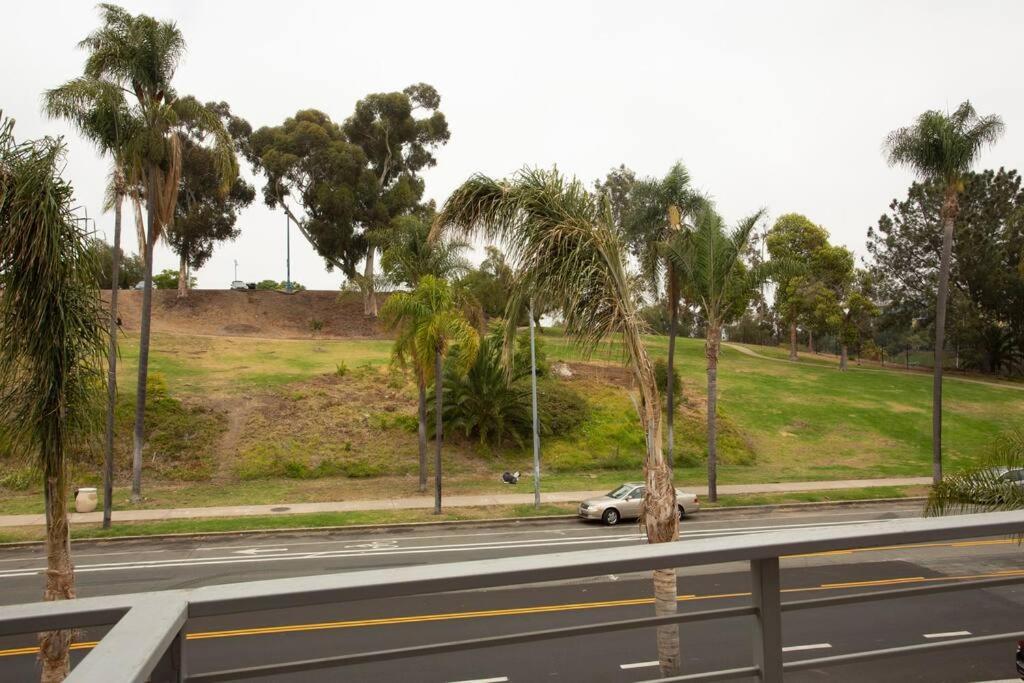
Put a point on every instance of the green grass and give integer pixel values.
(826, 496)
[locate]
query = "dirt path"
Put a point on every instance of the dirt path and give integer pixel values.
(750, 352)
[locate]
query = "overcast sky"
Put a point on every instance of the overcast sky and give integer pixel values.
(781, 105)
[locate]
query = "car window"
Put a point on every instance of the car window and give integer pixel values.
(620, 492)
(638, 492)
(1015, 475)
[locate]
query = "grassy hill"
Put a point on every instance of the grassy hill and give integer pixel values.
(246, 419)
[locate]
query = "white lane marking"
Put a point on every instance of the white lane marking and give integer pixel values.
(947, 634)
(254, 551)
(458, 547)
(639, 665)
(814, 646)
(499, 679)
(79, 555)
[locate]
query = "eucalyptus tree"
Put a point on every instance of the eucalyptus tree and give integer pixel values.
(795, 238)
(655, 211)
(432, 324)
(398, 145)
(52, 343)
(562, 239)
(140, 55)
(942, 147)
(711, 264)
(99, 111)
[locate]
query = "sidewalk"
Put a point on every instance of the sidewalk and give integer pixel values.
(427, 502)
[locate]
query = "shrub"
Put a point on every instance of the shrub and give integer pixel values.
(661, 376)
(316, 325)
(341, 369)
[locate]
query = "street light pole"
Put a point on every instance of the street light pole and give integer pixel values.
(536, 425)
(288, 253)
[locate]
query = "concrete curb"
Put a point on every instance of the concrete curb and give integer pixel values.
(510, 521)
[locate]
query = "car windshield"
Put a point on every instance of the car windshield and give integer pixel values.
(620, 492)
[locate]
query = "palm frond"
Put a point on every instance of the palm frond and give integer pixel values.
(983, 488)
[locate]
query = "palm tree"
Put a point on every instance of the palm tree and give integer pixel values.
(985, 488)
(409, 255)
(52, 343)
(99, 111)
(717, 279)
(140, 55)
(563, 242)
(942, 147)
(657, 210)
(431, 325)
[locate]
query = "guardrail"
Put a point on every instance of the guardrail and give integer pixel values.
(147, 639)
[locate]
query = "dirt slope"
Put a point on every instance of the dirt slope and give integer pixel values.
(252, 313)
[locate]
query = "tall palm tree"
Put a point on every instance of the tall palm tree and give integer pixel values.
(657, 210)
(409, 255)
(712, 266)
(52, 343)
(563, 241)
(98, 110)
(431, 325)
(140, 54)
(988, 487)
(942, 147)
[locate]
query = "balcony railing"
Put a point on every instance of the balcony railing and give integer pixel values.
(147, 640)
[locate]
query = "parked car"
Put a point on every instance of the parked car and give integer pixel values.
(1020, 659)
(140, 285)
(238, 285)
(624, 503)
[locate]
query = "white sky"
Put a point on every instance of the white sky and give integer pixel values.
(782, 105)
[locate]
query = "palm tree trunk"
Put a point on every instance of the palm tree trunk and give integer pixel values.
(438, 432)
(108, 452)
(423, 433)
(843, 356)
(669, 388)
(792, 340)
(183, 276)
(60, 573)
(140, 229)
(147, 310)
(810, 340)
(713, 342)
(949, 211)
(369, 292)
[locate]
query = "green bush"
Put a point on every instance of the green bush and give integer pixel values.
(341, 369)
(661, 377)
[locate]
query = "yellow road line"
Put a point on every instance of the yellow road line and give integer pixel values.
(447, 616)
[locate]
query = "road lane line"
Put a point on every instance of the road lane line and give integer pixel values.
(947, 634)
(800, 648)
(639, 665)
(499, 679)
(384, 621)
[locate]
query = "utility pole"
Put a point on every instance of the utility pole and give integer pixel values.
(288, 253)
(236, 269)
(536, 425)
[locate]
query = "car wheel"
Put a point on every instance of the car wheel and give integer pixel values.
(610, 517)
(682, 513)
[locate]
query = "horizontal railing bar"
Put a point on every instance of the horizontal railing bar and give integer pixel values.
(835, 600)
(867, 655)
(720, 675)
(64, 614)
(470, 644)
(403, 581)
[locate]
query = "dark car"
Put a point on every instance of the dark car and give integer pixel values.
(1020, 659)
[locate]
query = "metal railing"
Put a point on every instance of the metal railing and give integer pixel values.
(147, 640)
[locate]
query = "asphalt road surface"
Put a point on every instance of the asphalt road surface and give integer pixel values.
(332, 629)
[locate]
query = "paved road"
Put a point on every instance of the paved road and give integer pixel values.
(332, 629)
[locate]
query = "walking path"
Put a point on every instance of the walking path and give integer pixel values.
(427, 502)
(946, 377)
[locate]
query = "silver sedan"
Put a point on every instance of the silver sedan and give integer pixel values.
(624, 503)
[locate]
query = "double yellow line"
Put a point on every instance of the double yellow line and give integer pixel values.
(538, 609)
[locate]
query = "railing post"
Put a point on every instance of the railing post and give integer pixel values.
(764, 577)
(171, 667)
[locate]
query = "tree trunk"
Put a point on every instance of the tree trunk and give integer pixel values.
(182, 277)
(810, 340)
(140, 229)
(949, 211)
(438, 431)
(369, 291)
(60, 573)
(843, 357)
(108, 447)
(792, 340)
(711, 350)
(147, 310)
(423, 433)
(660, 518)
(669, 388)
